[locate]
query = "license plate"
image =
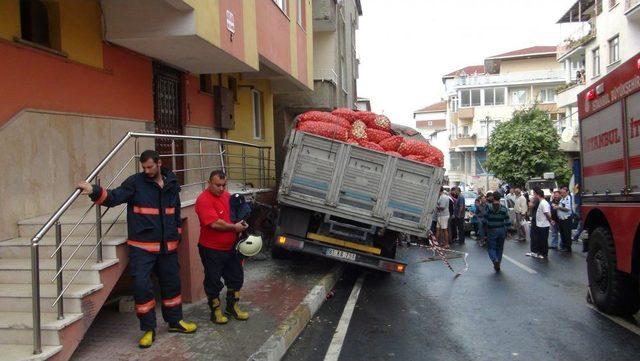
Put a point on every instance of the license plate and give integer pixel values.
(340, 254)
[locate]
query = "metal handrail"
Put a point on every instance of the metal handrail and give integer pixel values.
(96, 227)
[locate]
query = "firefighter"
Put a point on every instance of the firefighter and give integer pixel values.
(218, 236)
(154, 227)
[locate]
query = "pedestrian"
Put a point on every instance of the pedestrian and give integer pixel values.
(218, 236)
(453, 230)
(497, 224)
(511, 198)
(153, 227)
(564, 210)
(520, 209)
(480, 214)
(555, 201)
(459, 210)
(540, 231)
(442, 223)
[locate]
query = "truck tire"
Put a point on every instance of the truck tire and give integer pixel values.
(612, 291)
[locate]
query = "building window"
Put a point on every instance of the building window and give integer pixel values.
(596, 61)
(481, 158)
(547, 96)
(470, 98)
(430, 123)
(34, 22)
(614, 49)
(300, 13)
(456, 159)
(454, 104)
(256, 98)
(282, 4)
(519, 97)
(494, 96)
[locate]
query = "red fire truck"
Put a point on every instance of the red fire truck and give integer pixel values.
(609, 113)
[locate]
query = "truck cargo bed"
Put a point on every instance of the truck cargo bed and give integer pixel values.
(359, 184)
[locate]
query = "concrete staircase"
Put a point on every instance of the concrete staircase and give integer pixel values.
(83, 299)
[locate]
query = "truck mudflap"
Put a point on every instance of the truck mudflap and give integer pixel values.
(305, 245)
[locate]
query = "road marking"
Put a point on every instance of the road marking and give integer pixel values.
(620, 321)
(531, 271)
(341, 331)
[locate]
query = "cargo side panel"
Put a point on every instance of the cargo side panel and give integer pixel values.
(633, 133)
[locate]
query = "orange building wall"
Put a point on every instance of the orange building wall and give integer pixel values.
(236, 46)
(35, 79)
(199, 105)
(273, 34)
(302, 54)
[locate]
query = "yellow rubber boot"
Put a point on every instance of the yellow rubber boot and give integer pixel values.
(147, 339)
(216, 312)
(183, 327)
(232, 306)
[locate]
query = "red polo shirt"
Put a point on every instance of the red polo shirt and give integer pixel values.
(209, 209)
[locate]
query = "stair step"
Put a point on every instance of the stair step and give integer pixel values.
(48, 320)
(13, 352)
(17, 297)
(21, 248)
(50, 264)
(24, 276)
(29, 227)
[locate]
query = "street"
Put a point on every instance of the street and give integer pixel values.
(532, 310)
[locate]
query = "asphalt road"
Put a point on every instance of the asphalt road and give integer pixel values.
(532, 310)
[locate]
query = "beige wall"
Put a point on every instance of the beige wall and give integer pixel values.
(44, 155)
(514, 66)
(210, 162)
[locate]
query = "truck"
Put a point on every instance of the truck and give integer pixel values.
(609, 117)
(352, 204)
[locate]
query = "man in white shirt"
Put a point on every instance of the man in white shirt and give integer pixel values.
(564, 209)
(442, 214)
(540, 234)
(520, 208)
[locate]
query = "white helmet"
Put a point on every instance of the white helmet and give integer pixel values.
(250, 246)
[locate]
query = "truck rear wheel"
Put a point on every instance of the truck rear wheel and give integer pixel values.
(612, 291)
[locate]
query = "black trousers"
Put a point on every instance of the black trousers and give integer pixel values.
(221, 264)
(458, 224)
(166, 268)
(564, 228)
(540, 240)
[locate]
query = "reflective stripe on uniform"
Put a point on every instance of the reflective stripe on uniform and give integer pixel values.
(170, 210)
(103, 196)
(172, 302)
(146, 210)
(153, 247)
(141, 309)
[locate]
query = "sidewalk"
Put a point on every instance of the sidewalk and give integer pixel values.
(280, 295)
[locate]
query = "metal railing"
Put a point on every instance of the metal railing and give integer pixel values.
(510, 78)
(583, 33)
(246, 163)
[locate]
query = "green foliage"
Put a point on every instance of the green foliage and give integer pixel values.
(525, 147)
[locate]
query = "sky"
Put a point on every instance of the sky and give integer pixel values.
(406, 46)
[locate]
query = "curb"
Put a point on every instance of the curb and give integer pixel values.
(279, 342)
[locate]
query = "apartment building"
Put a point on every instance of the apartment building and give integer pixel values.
(431, 122)
(335, 67)
(600, 35)
(481, 96)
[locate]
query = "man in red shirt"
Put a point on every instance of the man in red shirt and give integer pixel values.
(218, 236)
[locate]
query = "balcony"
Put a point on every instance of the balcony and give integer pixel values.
(525, 77)
(324, 16)
(632, 10)
(567, 94)
(466, 113)
(575, 42)
(463, 141)
(173, 31)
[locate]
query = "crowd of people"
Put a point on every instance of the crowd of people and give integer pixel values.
(545, 223)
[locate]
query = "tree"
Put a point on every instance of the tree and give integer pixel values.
(525, 147)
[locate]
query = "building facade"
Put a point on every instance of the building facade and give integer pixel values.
(77, 75)
(600, 35)
(335, 68)
(481, 96)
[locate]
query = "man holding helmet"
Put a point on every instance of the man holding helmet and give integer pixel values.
(218, 236)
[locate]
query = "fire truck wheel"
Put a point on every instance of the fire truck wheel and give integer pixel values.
(612, 291)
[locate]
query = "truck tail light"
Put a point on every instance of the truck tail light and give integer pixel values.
(391, 266)
(290, 242)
